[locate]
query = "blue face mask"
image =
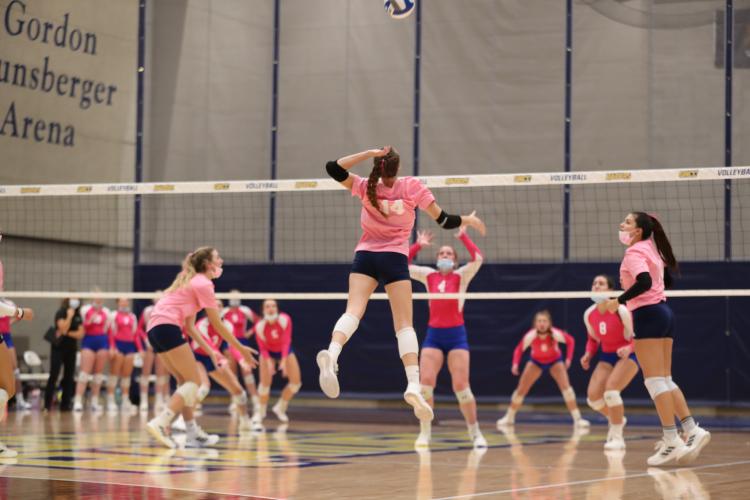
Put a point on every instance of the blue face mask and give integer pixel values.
(445, 264)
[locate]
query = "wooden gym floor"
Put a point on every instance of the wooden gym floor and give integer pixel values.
(88, 456)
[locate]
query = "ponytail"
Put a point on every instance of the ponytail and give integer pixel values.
(372, 184)
(195, 262)
(651, 226)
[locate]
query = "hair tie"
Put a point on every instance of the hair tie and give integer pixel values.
(653, 216)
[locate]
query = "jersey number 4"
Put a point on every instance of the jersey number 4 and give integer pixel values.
(394, 206)
(441, 287)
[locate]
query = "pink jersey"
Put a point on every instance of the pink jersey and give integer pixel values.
(123, 327)
(390, 234)
(643, 257)
(4, 321)
(95, 320)
(544, 348)
(274, 337)
(175, 306)
(447, 313)
(611, 330)
(239, 317)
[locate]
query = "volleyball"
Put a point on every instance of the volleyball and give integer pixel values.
(399, 9)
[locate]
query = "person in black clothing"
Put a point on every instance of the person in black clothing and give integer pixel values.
(68, 330)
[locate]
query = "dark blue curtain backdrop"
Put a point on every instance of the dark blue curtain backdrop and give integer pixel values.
(712, 342)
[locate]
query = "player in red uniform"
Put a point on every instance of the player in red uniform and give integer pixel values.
(544, 340)
(274, 337)
(94, 353)
(617, 363)
(242, 318)
(124, 343)
(446, 334)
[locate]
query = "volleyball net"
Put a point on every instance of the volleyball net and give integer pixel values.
(59, 239)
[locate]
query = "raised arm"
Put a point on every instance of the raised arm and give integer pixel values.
(447, 221)
(338, 170)
(470, 269)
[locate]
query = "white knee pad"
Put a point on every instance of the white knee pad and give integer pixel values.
(162, 380)
(596, 405)
(465, 396)
(264, 390)
(112, 380)
(347, 324)
(407, 342)
(670, 383)
(427, 391)
(516, 398)
(100, 378)
(613, 398)
(569, 394)
(249, 379)
(202, 393)
(85, 377)
(189, 393)
(240, 399)
(656, 386)
(294, 388)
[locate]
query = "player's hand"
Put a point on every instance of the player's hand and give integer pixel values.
(567, 364)
(28, 314)
(586, 361)
(514, 370)
(472, 220)
(271, 364)
(424, 238)
(247, 355)
(378, 153)
(624, 352)
(612, 305)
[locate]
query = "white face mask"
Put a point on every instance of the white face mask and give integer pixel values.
(271, 317)
(444, 264)
(234, 302)
(74, 303)
(124, 309)
(625, 237)
(218, 271)
(598, 300)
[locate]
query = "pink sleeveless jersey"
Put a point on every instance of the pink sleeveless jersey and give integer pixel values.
(390, 234)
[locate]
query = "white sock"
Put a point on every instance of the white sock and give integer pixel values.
(262, 409)
(511, 413)
(617, 429)
(191, 427)
(576, 414)
(412, 373)
(473, 429)
(334, 349)
(77, 400)
(255, 400)
(425, 427)
(165, 417)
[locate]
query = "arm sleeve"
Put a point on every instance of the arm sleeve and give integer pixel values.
(642, 284)
(262, 347)
(235, 354)
(518, 352)
(591, 345)
(138, 341)
(413, 251)
(287, 337)
(470, 246)
(420, 273)
(570, 346)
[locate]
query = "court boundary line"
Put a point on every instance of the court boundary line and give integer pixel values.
(589, 481)
(170, 488)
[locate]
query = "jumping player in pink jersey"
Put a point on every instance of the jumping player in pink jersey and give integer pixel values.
(191, 291)
(124, 343)
(242, 317)
(644, 274)
(151, 362)
(544, 340)
(7, 378)
(94, 353)
(617, 362)
(446, 333)
(274, 336)
(387, 219)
